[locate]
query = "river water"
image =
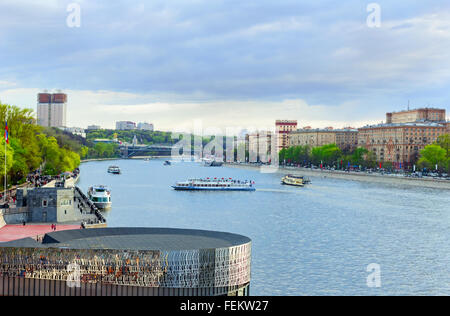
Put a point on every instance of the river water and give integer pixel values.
(316, 240)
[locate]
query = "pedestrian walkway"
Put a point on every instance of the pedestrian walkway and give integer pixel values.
(13, 232)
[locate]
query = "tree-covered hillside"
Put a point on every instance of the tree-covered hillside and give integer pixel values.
(30, 147)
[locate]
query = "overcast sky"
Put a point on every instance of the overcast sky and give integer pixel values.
(229, 63)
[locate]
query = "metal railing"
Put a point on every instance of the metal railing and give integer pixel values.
(91, 205)
(14, 210)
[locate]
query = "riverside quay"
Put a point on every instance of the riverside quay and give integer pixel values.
(126, 262)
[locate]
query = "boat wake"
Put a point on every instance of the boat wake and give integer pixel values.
(279, 191)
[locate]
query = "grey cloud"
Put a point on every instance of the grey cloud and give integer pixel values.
(264, 50)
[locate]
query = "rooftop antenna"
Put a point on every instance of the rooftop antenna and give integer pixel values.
(408, 105)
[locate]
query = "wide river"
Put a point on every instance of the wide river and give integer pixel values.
(316, 240)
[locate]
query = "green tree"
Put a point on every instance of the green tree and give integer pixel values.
(282, 155)
(444, 142)
(327, 154)
(433, 155)
(358, 156)
(9, 161)
(290, 155)
(31, 145)
(84, 152)
(20, 168)
(370, 160)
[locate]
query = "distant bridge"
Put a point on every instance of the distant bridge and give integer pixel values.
(128, 151)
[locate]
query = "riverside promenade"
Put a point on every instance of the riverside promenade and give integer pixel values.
(19, 231)
(68, 183)
(355, 176)
(14, 222)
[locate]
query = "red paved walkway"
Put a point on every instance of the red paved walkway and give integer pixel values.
(12, 232)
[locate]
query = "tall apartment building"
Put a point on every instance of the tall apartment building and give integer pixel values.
(404, 135)
(416, 115)
(282, 130)
(399, 143)
(125, 125)
(51, 109)
(345, 139)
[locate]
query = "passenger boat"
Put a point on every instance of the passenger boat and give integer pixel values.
(215, 185)
(100, 196)
(114, 169)
(298, 181)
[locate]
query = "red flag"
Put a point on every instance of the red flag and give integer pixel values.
(6, 133)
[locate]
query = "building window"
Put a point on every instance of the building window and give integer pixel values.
(44, 203)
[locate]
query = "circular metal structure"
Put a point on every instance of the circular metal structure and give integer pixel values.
(127, 261)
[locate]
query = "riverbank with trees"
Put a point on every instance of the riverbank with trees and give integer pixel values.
(30, 147)
(434, 157)
(369, 177)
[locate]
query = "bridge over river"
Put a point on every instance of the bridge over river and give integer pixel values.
(128, 150)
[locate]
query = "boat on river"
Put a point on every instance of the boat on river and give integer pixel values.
(114, 170)
(215, 184)
(298, 181)
(212, 162)
(100, 195)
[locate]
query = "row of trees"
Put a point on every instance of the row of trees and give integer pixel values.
(30, 147)
(144, 137)
(433, 155)
(327, 155)
(86, 148)
(102, 150)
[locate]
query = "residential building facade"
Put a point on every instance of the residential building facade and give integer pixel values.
(93, 127)
(282, 129)
(346, 139)
(416, 115)
(399, 143)
(125, 125)
(145, 126)
(75, 131)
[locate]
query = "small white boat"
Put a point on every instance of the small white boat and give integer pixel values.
(114, 170)
(100, 196)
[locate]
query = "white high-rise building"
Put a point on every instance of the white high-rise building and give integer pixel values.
(52, 109)
(145, 126)
(125, 125)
